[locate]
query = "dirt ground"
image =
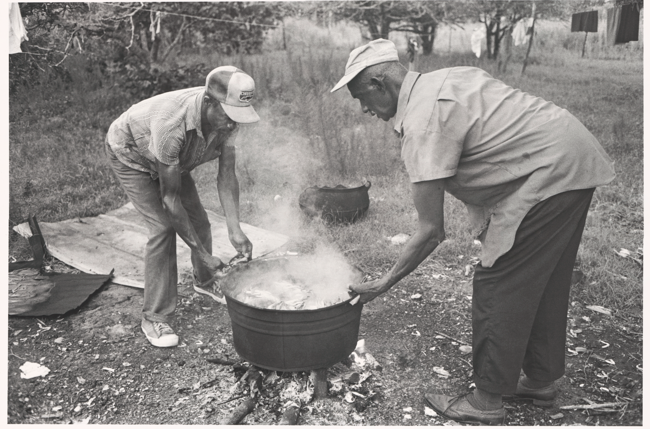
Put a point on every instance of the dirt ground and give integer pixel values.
(103, 370)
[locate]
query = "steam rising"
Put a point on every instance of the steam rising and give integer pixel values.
(305, 282)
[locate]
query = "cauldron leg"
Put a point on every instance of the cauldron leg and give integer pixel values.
(319, 378)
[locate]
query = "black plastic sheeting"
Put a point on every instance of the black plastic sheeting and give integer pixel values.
(69, 292)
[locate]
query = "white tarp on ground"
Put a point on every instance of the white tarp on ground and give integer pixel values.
(116, 241)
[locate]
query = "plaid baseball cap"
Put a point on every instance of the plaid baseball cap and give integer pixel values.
(374, 52)
(234, 89)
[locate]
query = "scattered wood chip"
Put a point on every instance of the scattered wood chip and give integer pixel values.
(593, 406)
(602, 359)
(557, 416)
(600, 309)
(441, 371)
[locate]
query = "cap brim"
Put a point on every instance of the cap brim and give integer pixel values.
(346, 79)
(242, 115)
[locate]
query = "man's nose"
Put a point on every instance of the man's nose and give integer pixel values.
(364, 108)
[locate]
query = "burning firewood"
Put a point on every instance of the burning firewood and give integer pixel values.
(290, 415)
(241, 411)
(253, 378)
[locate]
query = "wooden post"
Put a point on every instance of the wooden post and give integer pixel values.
(319, 378)
(530, 41)
(584, 44)
(284, 38)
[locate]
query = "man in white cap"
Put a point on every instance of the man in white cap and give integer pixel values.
(526, 169)
(152, 148)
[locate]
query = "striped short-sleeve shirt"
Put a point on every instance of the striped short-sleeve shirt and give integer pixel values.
(166, 127)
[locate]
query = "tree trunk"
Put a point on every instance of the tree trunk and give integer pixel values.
(530, 41)
(428, 36)
(385, 28)
(497, 40)
(373, 29)
(506, 53)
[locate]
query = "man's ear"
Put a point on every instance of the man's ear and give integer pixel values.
(378, 82)
(208, 100)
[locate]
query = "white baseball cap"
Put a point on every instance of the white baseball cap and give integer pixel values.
(376, 52)
(234, 89)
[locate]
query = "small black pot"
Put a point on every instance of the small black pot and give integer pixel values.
(338, 204)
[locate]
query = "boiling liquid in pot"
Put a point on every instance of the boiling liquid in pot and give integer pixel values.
(303, 283)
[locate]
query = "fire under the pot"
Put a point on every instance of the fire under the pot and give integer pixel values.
(303, 283)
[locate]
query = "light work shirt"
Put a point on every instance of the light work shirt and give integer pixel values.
(166, 127)
(500, 150)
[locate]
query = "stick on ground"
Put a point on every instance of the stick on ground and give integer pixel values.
(241, 411)
(593, 406)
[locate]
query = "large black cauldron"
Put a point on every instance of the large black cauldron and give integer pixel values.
(290, 340)
(337, 204)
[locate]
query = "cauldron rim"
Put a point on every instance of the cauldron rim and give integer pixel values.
(342, 190)
(241, 267)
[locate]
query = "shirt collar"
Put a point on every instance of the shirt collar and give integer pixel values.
(402, 101)
(195, 119)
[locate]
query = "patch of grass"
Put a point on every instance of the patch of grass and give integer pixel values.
(308, 136)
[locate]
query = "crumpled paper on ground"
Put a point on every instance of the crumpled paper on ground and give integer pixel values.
(33, 370)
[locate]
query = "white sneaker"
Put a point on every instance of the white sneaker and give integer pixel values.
(212, 290)
(159, 334)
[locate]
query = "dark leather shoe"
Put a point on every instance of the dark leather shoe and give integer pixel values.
(459, 409)
(542, 397)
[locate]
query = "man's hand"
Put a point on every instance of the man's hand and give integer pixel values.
(241, 243)
(213, 264)
(370, 290)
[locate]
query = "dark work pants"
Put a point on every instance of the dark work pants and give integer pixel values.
(519, 305)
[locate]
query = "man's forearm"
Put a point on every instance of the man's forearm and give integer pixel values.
(417, 249)
(182, 225)
(228, 190)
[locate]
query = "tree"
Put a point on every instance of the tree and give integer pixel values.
(140, 38)
(383, 16)
(500, 17)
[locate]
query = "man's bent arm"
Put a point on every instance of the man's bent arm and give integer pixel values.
(170, 186)
(228, 189)
(428, 197)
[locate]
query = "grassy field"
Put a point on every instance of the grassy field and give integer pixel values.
(308, 136)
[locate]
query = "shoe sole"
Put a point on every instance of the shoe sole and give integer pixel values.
(157, 342)
(544, 403)
(501, 422)
(220, 300)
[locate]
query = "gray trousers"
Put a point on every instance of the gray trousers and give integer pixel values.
(160, 268)
(520, 304)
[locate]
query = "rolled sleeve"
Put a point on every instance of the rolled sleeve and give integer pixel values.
(430, 155)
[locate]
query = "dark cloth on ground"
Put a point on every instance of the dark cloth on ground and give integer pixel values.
(519, 305)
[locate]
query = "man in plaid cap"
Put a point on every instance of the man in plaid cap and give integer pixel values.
(152, 148)
(526, 169)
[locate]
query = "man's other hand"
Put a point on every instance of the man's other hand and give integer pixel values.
(370, 290)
